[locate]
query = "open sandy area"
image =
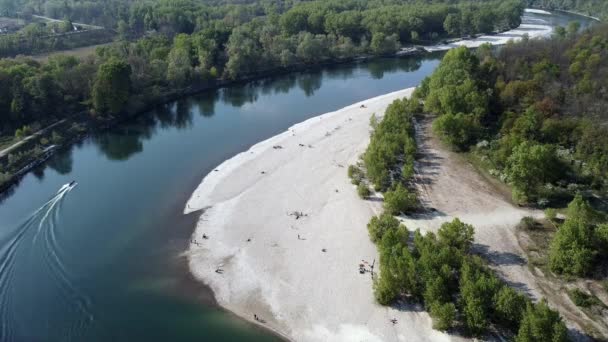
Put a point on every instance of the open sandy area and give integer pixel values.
(300, 276)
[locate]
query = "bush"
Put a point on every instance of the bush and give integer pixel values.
(551, 214)
(355, 174)
(363, 191)
(583, 299)
(540, 324)
(527, 223)
(443, 315)
(379, 225)
(510, 307)
(399, 200)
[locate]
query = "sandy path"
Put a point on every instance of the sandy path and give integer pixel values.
(299, 290)
(454, 189)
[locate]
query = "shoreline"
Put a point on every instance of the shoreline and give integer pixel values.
(251, 238)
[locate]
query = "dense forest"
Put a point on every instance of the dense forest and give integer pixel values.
(534, 115)
(197, 47)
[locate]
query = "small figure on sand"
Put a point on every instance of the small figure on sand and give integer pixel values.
(323, 250)
(394, 321)
(205, 236)
(363, 106)
(219, 270)
(255, 317)
(298, 214)
(263, 172)
(249, 240)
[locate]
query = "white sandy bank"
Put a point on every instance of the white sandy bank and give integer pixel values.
(532, 30)
(282, 274)
(537, 11)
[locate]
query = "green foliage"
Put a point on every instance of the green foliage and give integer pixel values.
(530, 166)
(458, 130)
(391, 142)
(443, 315)
(457, 234)
(363, 191)
(541, 324)
(477, 287)
(527, 223)
(400, 200)
(454, 87)
(551, 214)
(355, 174)
(577, 243)
(583, 299)
(509, 306)
(455, 286)
(112, 87)
(379, 225)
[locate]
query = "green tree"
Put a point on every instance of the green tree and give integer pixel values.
(573, 249)
(510, 307)
(451, 24)
(399, 200)
(443, 315)
(541, 324)
(379, 225)
(382, 44)
(458, 130)
(112, 86)
(529, 166)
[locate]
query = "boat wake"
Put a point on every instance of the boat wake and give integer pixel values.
(38, 235)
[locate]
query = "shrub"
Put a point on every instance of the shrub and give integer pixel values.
(363, 191)
(443, 315)
(379, 225)
(583, 299)
(541, 324)
(355, 174)
(551, 214)
(509, 306)
(527, 223)
(399, 200)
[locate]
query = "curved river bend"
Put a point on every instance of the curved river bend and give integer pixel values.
(99, 260)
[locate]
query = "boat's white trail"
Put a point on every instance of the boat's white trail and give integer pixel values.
(43, 220)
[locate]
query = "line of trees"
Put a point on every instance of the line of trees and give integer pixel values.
(199, 47)
(533, 114)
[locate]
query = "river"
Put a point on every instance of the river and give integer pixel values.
(101, 259)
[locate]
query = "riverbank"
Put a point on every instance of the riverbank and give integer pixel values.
(299, 276)
(81, 125)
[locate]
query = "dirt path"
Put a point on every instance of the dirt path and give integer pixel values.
(450, 187)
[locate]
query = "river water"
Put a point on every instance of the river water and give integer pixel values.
(101, 259)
